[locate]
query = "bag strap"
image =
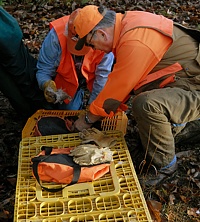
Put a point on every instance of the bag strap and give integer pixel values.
(60, 159)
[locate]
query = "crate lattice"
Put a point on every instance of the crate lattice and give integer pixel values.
(115, 197)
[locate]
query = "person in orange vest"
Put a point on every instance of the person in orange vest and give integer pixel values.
(60, 71)
(158, 61)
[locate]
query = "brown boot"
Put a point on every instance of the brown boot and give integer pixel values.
(156, 177)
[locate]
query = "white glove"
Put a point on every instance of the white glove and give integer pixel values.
(89, 154)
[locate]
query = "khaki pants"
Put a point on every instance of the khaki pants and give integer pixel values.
(156, 110)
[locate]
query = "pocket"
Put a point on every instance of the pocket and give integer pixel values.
(192, 68)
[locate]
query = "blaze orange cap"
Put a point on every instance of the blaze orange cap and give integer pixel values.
(87, 18)
(72, 37)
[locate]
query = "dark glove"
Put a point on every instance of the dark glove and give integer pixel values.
(89, 154)
(94, 135)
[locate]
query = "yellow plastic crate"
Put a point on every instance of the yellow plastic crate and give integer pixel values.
(115, 197)
(117, 122)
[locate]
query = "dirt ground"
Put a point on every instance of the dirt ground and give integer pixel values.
(178, 198)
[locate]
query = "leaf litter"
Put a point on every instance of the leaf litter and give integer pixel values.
(178, 198)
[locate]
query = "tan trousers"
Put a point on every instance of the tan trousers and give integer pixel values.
(156, 110)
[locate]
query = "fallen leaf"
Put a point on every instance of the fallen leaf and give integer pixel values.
(170, 217)
(192, 212)
(6, 212)
(184, 199)
(154, 209)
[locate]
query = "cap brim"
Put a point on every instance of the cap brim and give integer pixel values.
(71, 45)
(80, 44)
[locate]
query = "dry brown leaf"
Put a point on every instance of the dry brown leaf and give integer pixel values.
(3, 215)
(161, 195)
(170, 217)
(184, 199)
(192, 212)
(154, 209)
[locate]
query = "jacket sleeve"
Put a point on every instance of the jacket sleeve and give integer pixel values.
(101, 75)
(10, 36)
(49, 58)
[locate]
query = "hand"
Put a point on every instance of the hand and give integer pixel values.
(50, 91)
(84, 111)
(54, 95)
(89, 154)
(80, 123)
(94, 135)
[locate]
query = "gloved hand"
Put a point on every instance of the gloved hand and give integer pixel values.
(89, 154)
(94, 135)
(54, 95)
(50, 91)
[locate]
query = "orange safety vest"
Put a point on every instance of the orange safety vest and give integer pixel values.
(66, 77)
(123, 25)
(161, 24)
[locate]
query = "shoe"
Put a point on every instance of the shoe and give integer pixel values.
(157, 177)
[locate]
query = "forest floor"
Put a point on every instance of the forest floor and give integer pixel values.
(178, 198)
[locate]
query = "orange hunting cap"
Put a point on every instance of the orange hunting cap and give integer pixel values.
(72, 37)
(87, 18)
